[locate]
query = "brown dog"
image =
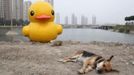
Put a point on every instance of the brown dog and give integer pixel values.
(90, 61)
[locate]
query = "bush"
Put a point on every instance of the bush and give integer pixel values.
(127, 30)
(121, 30)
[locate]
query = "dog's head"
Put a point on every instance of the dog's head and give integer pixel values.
(104, 65)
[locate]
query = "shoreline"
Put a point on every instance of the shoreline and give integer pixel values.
(69, 42)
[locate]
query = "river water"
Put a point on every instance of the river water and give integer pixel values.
(88, 35)
(83, 35)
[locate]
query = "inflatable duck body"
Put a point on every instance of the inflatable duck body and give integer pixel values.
(42, 27)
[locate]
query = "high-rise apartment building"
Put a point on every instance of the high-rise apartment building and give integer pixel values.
(66, 20)
(58, 18)
(93, 20)
(84, 20)
(1, 9)
(5, 8)
(74, 19)
(17, 9)
(25, 10)
(50, 1)
(11, 9)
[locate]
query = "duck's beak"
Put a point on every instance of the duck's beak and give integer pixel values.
(42, 17)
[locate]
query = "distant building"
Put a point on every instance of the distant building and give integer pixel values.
(25, 10)
(50, 1)
(5, 9)
(73, 19)
(76, 20)
(58, 18)
(2, 8)
(84, 20)
(17, 7)
(66, 20)
(93, 20)
(11, 9)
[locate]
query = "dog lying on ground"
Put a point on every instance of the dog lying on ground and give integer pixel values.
(91, 61)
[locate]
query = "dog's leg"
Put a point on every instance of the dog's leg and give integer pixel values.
(67, 60)
(82, 70)
(84, 67)
(70, 59)
(89, 68)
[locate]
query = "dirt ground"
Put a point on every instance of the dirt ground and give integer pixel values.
(24, 58)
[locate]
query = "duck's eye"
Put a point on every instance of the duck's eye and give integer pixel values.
(52, 12)
(32, 13)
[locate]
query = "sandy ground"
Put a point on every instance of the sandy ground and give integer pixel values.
(24, 58)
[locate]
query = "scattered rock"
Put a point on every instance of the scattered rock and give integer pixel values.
(127, 63)
(132, 62)
(57, 43)
(11, 33)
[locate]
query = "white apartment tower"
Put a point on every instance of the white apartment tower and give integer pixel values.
(5, 9)
(93, 20)
(50, 1)
(17, 7)
(11, 9)
(27, 4)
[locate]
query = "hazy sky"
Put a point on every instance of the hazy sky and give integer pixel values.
(106, 11)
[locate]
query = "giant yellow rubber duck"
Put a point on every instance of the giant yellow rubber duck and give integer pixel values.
(42, 27)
